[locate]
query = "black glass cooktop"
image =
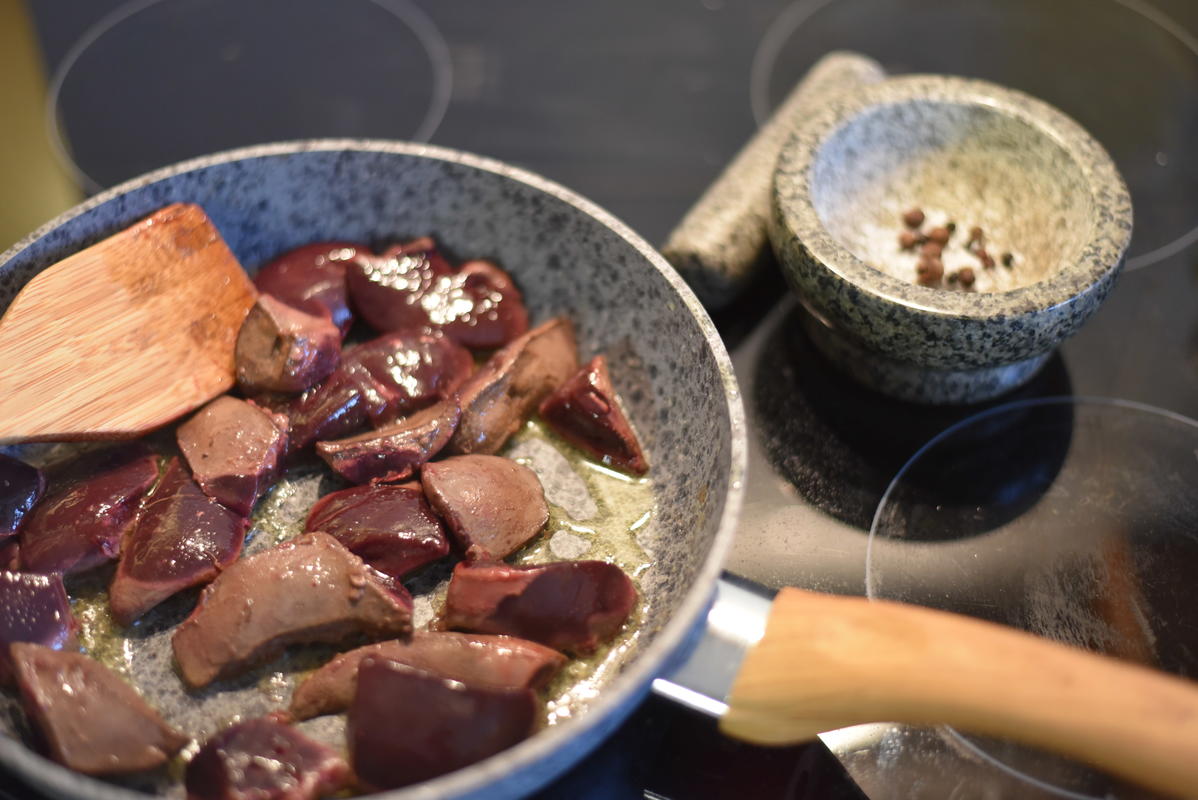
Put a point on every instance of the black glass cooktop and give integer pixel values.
(638, 106)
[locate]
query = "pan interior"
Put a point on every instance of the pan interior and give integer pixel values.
(566, 261)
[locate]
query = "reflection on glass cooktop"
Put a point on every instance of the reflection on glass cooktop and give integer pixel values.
(638, 106)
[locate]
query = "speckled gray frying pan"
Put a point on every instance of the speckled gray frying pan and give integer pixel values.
(569, 257)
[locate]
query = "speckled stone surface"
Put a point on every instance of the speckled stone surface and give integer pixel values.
(569, 257)
(914, 382)
(723, 236)
(971, 151)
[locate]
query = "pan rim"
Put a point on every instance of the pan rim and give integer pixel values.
(648, 664)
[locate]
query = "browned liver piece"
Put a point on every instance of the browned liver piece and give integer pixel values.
(312, 279)
(392, 528)
(586, 412)
(10, 554)
(181, 538)
(21, 485)
(498, 398)
(411, 286)
(91, 502)
(264, 759)
(406, 725)
(379, 381)
(235, 450)
(310, 589)
(571, 606)
(283, 349)
(492, 505)
(498, 662)
(90, 720)
(35, 609)
(394, 451)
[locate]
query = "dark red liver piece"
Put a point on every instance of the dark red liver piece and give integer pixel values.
(90, 504)
(90, 720)
(585, 412)
(502, 395)
(392, 528)
(412, 287)
(379, 381)
(492, 505)
(406, 725)
(181, 538)
(235, 450)
(284, 349)
(312, 279)
(10, 554)
(331, 410)
(264, 759)
(394, 451)
(309, 589)
(497, 662)
(571, 606)
(35, 609)
(20, 488)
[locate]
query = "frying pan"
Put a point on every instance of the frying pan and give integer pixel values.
(569, 257)
(821, 663)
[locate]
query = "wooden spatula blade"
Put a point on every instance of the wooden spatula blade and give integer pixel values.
(125, 336)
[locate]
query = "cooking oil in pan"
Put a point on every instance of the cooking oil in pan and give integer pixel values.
(594, 513)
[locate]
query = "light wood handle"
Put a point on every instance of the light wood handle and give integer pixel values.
(828, 662)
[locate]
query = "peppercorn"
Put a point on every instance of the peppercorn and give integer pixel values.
(931, 250)
(951, 227)
(929, 271)
(913, 218)
(976, 236)
(985, 258)
(1007, 260)
(965, 276)
(939, 235)
(908, 240)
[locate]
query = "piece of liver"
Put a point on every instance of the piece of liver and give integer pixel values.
(90, 719)
(571, 606)
(503, 394)
(181, 538)
(411, 286)
(585, 411)
(91, 502)
(394, 451)
(10, 554)
(309, 589)
(406, 725)
(21, 486)
(235, 450)
(379, 381)
(312, 279)
(264, 759)
(392, 528)
(491, 505)
(36, 610)
(497, 662)
(283, 349)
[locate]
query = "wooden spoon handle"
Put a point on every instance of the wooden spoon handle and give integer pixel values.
(827, 662)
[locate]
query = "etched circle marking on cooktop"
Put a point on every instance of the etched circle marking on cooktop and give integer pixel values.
(223, 74)
(1129, 75)
(1072, 518)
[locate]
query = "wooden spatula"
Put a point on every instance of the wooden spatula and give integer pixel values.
(124, 336)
